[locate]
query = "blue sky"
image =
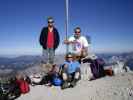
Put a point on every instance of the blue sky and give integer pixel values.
(109, 23)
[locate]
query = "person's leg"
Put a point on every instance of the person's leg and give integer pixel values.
(51, 55)
(75, 76)
(44, 56)
(64, 76)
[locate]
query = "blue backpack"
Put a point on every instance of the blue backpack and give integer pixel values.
(57, 81)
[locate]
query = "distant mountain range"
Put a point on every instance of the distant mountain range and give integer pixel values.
(18, 62)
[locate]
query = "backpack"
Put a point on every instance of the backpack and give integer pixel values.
(56, 81)
(96, 66)
(36, 79)
(109, 72)
(14, 89)
(4, 91)
(9, 90)
(97, 69)
(24, 86)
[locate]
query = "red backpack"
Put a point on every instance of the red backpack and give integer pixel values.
(24, 86)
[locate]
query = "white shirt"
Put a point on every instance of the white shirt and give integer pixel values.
(79, 44)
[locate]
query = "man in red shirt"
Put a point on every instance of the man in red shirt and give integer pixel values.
(49, 40)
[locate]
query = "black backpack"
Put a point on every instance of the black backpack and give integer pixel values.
(9, 90)
(4, 90)
(14, 89)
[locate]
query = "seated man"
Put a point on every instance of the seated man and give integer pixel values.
(78, 44)
(70, 71)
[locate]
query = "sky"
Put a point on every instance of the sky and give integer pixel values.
(109, 23)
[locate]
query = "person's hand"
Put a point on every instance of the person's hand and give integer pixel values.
(74, 42)
(69, 42)
(66, 42)
(65, 66)
(84, 52)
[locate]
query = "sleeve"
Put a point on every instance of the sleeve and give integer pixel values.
(77, 64)
(65, 63)
(58, 38)
(85, 42)
(41, 37)
(71, 38)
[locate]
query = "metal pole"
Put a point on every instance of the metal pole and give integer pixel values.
(66, 22)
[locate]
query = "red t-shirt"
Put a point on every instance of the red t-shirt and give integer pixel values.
(50, 40)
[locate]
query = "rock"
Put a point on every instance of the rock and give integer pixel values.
(107, 88)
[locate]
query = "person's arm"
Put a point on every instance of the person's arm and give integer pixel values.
(41, 37)
(70, 40)
(65, 66)
(58, 38)
(63, 69)
(66, 41)
(77, 64)
(85, 47)
(85, 42)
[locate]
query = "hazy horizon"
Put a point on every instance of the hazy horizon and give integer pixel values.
(39, 54)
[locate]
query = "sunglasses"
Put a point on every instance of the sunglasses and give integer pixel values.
(50, 21)
(77, 31)
(69, 57)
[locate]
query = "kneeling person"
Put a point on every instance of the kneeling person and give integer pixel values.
(70, 72)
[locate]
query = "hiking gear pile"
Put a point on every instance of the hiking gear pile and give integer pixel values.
(97, 67)
(12, 88)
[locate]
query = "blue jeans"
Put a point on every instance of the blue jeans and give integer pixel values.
(48, 55)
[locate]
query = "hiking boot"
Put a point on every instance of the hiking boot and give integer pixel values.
(64, 85)
(73, 83)
(48, 84)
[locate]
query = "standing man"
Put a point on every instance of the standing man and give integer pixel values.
(78, 44)
(49, 40)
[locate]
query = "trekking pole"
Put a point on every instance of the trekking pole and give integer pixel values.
(66, 23)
